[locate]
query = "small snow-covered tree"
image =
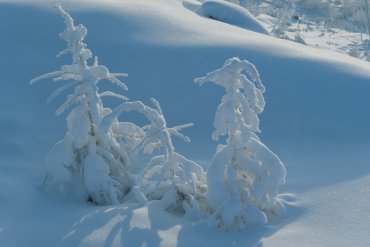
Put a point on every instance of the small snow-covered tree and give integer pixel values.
(89, 157)
(244, 177)
(367, 17)
(177, 181)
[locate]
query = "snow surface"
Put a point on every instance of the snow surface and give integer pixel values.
(316, 120)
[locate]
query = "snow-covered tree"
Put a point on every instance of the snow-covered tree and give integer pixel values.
(89, 158)
(170, 177)
(367, 14)
(244, 177)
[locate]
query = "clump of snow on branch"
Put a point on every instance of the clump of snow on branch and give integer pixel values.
(244, 177)
(169, 177)
(88, 157)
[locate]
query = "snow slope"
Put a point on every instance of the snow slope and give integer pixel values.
(316, 119)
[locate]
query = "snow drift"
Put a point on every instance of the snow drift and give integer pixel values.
(231, 14)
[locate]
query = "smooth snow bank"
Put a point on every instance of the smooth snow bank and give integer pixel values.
(336, 215)
(231, 14)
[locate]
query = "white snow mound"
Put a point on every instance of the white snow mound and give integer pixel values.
(231, 14)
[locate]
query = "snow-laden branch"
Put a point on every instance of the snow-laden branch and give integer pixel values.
(46, 76)
(112, 94)
(71, 100)
(67, 18)
(116, 81)
(62, 89)
(157, 130)
(157, 106)
(244, 96)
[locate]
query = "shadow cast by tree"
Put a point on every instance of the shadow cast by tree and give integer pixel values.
(134, 225)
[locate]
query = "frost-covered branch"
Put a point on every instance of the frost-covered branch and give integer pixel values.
(173, 131)
(46, 76)
(62, 89)
(116, 81)
(157, 106)
(112, 94)
(67, 18)
(119, 74)
(71, 100)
